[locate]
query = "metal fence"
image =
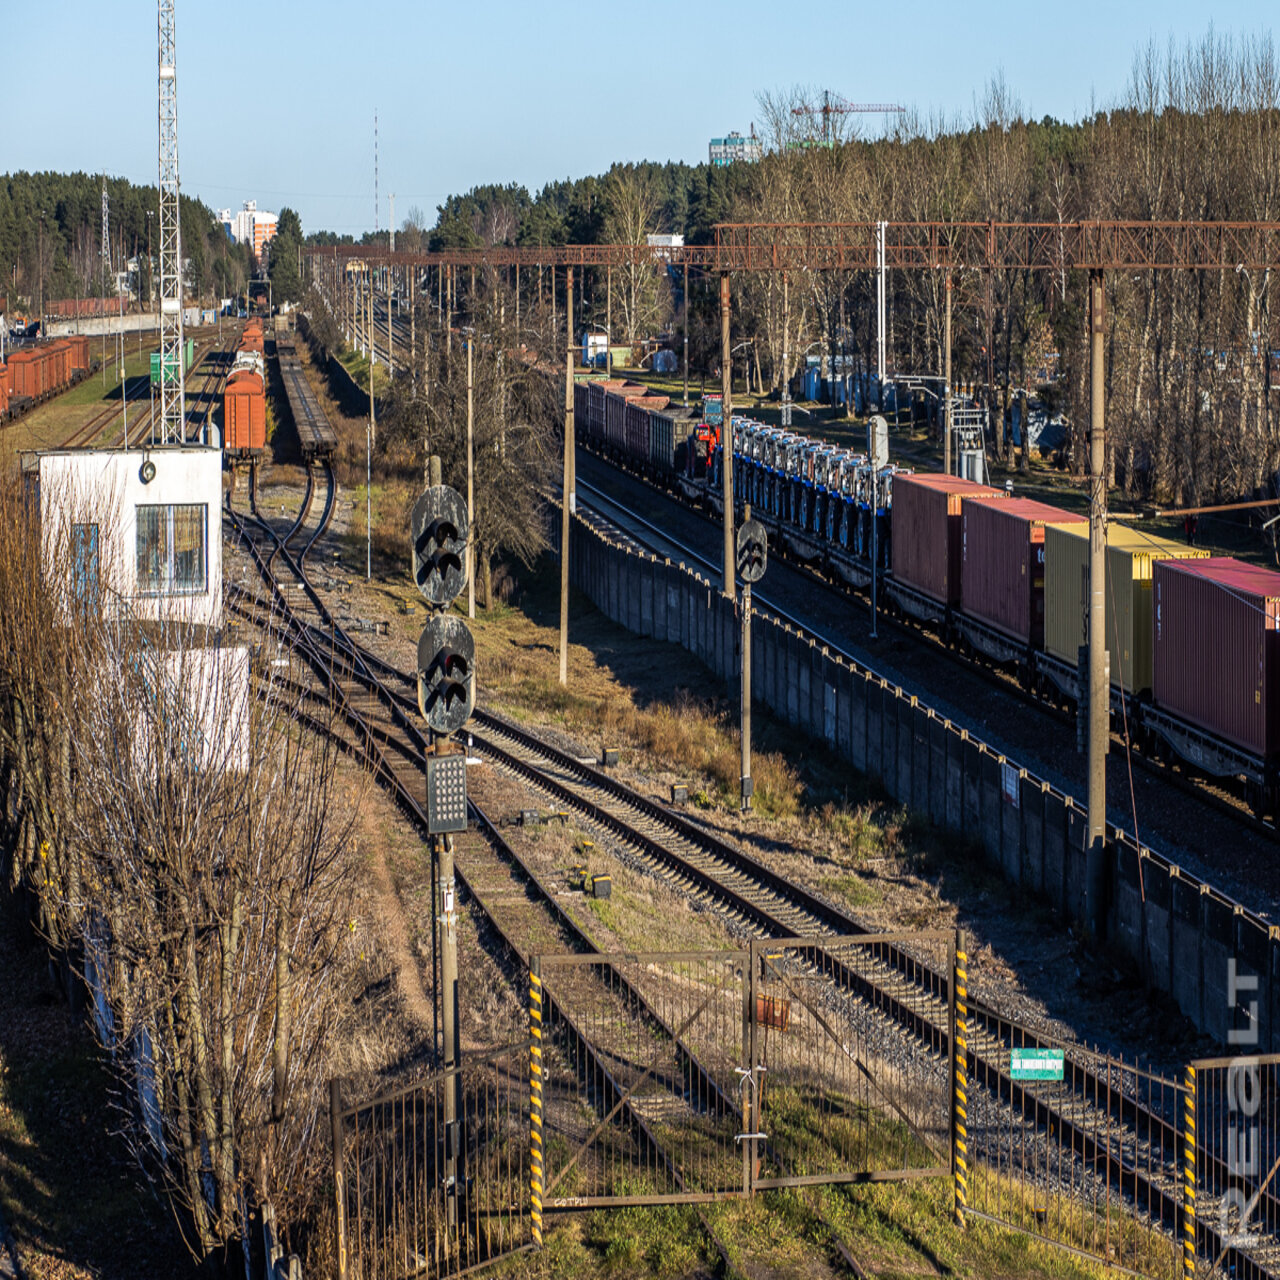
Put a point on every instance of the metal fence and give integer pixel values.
(419, 1196)
(686, 1077)
(698, 1076)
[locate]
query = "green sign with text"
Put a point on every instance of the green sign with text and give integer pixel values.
(1037, 1064)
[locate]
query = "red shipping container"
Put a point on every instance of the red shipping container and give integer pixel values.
(1217, 644)
(244, 414)
(927, 531)
(4, 390)
(1002, 578)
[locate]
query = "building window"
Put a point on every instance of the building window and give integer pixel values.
(84, 565)
(171, 550)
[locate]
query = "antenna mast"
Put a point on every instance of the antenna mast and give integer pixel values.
(172, 401)
(375, 174)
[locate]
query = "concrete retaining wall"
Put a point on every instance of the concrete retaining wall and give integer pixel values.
(1178, 931)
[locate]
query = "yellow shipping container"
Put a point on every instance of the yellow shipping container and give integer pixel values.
(1130, 555)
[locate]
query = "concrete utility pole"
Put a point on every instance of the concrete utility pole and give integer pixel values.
(471, 491)
(946, 385)
(565, 502)
(726, 435)
(608, 324)
(392, 198)
(413, 325)
(1099, 694)
(744, 692)
(880, 322)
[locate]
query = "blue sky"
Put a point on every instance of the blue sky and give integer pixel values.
(276, 101)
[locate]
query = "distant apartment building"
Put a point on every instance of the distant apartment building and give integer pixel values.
(736, 147)
(251, 226)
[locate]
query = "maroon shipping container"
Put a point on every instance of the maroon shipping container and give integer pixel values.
(1217, 643)
(4, 390)
(1002, 579)
(927, 531)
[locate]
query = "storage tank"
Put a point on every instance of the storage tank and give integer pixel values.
(244, 415)
(1002, 575)
(1217, 644)
(926, 548)
(1131, 557)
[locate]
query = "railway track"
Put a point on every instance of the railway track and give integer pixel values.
(105, 419)
(393, 747)
(1212, 794)
(1128, 1144)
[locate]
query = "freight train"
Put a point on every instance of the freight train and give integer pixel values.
(36, 373)
(244, 405)
(1194, 640)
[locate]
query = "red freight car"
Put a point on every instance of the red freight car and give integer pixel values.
(1002, 558)
(1216, 648)
(636, 425)
(927, 532)
(244, 413)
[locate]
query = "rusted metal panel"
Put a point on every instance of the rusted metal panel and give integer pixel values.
(1217, 644)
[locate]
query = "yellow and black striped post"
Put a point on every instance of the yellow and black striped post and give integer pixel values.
(959, 1076)
(535, 1101)
(1189, 1174)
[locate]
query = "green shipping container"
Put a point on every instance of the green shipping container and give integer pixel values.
(155, 367)
(1130, 556)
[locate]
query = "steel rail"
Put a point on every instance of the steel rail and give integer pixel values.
(1096, 1153)
(1100, 1153)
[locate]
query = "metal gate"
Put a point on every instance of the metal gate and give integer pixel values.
(419, 1192)
(688, 1077)
(1231, 1110)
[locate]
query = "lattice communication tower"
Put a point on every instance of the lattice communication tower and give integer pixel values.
(106, 240)
(172, 402)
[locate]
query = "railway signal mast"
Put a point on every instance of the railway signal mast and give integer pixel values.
(172, 401)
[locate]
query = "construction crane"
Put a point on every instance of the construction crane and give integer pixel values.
(834, 105)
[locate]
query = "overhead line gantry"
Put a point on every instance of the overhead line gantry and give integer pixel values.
(1092, 246)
